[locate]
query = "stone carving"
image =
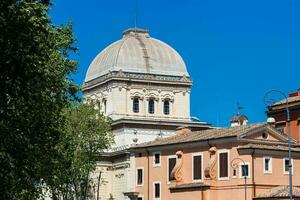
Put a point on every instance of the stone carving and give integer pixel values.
(120, 175)
(210, 171)
(120, 73)
(136, 94)
(184, 78)
(167, 97)
(152, 95)
(176, 172)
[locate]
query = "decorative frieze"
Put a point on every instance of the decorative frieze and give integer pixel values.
(136, 76)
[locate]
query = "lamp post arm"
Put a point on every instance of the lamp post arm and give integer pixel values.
(233, 165)
(288, 119)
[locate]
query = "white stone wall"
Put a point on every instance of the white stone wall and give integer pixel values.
(105, 184)
(125, 136)
(119, 100)
(119, 183)
(115, 179)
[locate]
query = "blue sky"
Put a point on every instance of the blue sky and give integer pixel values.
(235, 50)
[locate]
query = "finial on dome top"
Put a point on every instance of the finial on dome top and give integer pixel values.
(134, 31)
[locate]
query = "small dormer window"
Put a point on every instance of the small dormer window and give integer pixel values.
(166, 107)
(136, 105)
(151, 106)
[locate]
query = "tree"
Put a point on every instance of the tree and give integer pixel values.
(85, 134)
(36, 87)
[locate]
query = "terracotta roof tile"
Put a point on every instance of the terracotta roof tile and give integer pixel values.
(204, 135)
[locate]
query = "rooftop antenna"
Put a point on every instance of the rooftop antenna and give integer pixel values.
(239, 108)
(136, 13)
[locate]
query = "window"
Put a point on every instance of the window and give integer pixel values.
(166, 107)
(197, 167)
(140, 176)
(234, 173)
(140, 198)
(223, 164)
(151, 106)
(286, 165)
(265, 135)
(156, 190)
(156, 159)
(280, 127)
(136, 105)
(171, 165)
(267, 165)
(245, 170)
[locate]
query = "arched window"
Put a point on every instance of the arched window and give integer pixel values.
(151, 106)
(135, 105)
(166, 107)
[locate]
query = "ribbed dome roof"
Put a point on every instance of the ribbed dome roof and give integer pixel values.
(137, 52)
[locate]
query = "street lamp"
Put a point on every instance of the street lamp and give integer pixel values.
(235, 166)
(267, 101)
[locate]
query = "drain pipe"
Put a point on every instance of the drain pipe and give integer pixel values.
(253, 174)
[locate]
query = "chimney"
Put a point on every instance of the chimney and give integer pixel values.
(183, 130)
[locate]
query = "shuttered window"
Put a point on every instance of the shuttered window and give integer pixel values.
(286, 165)
(172, 163)
(139, 176)
(157, 190)
(223, 165)
(267, 165)
(157, 159)
(197, 167)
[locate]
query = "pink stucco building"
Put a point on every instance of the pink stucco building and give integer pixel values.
(212, 164)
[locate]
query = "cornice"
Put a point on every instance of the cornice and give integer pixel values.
(137, 77)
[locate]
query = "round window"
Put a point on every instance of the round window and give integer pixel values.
(264, 135)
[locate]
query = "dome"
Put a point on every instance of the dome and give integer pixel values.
(137, 52)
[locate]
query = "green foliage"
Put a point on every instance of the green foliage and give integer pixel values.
(85, 134)
(48, 142)
(35, 86)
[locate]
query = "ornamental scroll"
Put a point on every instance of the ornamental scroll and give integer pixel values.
(210, 170)
(176, 173)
